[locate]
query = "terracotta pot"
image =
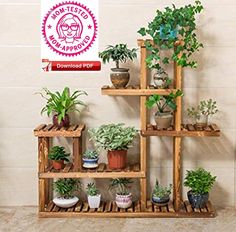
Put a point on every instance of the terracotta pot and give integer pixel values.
(58, 164)
(163, 120)
(117, 159)
(119, 77)
(64, 122)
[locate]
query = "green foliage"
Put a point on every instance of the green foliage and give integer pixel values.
(113, 136)
(162, 102)
(160, 191)
(90, 154)
(181, 20)
(206, 107)
(66, 187)
(58, 153)
(118, 53)
(199, 181)
(92, 189)
(121, 185)
(61, 103)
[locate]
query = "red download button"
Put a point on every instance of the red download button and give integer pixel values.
(75, 66)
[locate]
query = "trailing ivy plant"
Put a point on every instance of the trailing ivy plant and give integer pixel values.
(121, 185)
(118, 53)
(199, 181)
(66, 187)
(163, 102)
(113, 136)
(92, 189)
(167, 27)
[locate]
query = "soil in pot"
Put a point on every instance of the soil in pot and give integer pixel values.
(163, 120)
(58, 164)
(198, 200)
(124, 201)
(94, 201)
(64, 122)
(65, 202)
(120, 77)
(117, 159)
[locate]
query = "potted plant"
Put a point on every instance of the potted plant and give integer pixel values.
(65, 188)
(116, 139)
(165, 29)
(203, 111)
(118, 53)
(90, 159)
(163, 115)
(200, 182)
(61, 104)
(58, 155)
(123, 196)
(94, 196)
(160, 194)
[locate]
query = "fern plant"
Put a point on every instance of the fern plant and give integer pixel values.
(61, 103)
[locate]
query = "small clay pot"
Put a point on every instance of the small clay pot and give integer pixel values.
(117, 159)
(58, 164)
(119, 77)
(163, 120)
(65, 122)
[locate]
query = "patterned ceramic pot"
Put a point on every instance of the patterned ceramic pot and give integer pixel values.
(90, 163)
(198, 200)
(160, 200)
(119, 77)
(124, 201)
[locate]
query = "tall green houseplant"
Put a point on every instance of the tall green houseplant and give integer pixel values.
(167, 27)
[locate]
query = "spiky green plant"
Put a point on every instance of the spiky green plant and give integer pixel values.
(121, 185)
(92, 189)
(160, 191)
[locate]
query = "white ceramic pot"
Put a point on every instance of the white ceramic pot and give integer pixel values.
(65, 203)
(202, 120)
(163, 120)
(94, 201)
(90, 163)
(124, 201)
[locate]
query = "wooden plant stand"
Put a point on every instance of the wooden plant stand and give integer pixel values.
(143, 207)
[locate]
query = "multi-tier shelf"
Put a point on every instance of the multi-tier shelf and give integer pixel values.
(143, 207)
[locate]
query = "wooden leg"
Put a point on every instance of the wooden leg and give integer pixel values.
(76, 154)
(177, 173)
(42, 195)
(143, 193)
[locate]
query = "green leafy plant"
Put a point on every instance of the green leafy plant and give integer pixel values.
(118, 53)
(90, 154)
(66, 187)
(167, 27)
(113, 136)
(162, 102)
(206, 107)
(121, 185)
(92, 189)
(58, 153)
(160, 191)
(199, 181)
(61, 103)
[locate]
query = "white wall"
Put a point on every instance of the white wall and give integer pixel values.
(119, 21)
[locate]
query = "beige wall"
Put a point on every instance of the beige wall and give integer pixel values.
(119, 21)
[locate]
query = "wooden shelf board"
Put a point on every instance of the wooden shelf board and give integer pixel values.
(187, 130)
(135, 91)
(109, 209)
(44, 130)
(102, 171)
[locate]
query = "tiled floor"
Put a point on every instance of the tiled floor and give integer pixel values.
(19, 219)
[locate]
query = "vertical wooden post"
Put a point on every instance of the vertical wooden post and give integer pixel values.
(43, 148)
(143, 140)
(77, 154)
(177, 194)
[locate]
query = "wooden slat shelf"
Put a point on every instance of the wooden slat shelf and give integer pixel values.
(135, 91)
(109, 209)
(187, 130)
(44, 130)
(102, 171)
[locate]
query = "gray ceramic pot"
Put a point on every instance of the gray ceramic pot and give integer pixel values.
(120, 77)
(163, 120)
(197, 200)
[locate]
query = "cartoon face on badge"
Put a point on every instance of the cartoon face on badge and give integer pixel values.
(69, 28)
